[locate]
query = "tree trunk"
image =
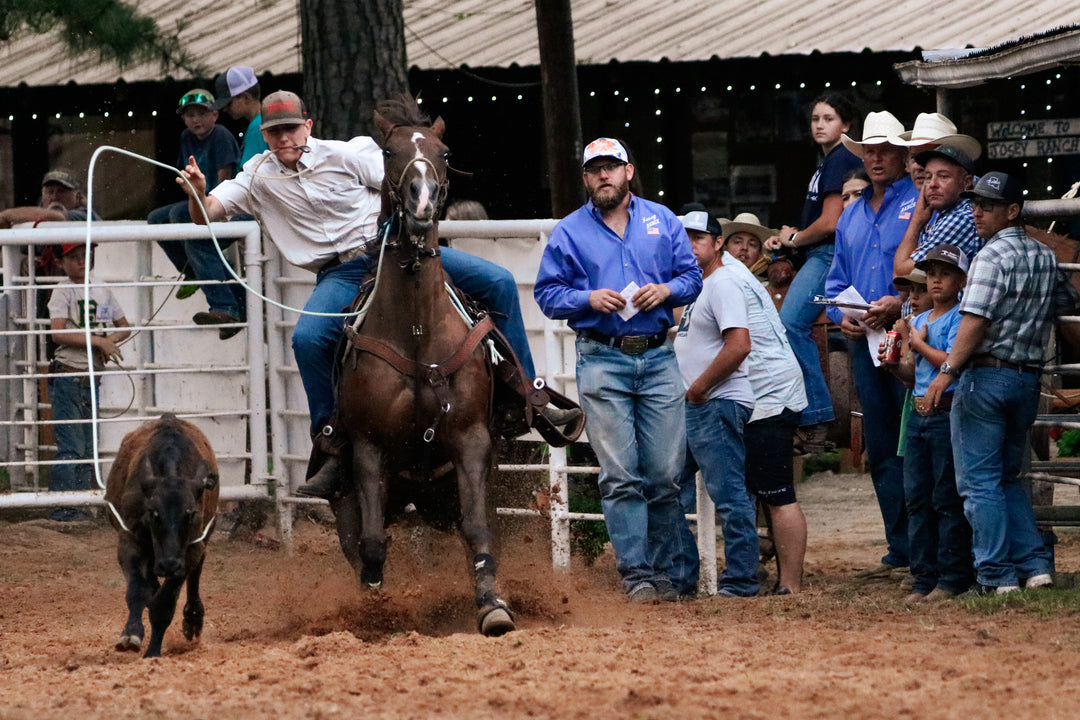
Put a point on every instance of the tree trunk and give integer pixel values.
(353, 56)
(562, 112)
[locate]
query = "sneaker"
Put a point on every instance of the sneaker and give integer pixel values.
(915, 598)
(727, 593)
(643, 593)
(666, 591)
(185, 291)
(881, 572)
(1038, 581)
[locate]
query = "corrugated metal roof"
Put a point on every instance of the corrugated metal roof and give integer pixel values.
(265, 34)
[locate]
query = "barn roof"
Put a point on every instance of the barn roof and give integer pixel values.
(265, 34)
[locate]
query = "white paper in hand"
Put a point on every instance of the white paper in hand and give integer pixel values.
(628, 310)
(874, 338)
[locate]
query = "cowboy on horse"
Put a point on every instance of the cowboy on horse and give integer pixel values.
(319, 201)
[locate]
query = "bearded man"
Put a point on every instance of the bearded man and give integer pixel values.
(615, 269)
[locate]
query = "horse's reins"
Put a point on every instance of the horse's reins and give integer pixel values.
(437, 375)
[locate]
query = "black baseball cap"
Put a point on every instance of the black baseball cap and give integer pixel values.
(997, 186)
(947, 152)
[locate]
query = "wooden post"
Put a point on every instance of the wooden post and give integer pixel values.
(562, 111)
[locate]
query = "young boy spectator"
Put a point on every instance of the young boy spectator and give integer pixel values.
(239, 95)
(215, 148)
(939, 534)
(70, 394)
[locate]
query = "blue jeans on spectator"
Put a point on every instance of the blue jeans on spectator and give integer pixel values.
(882, 399)
(637, 430)
(70, 400)
(993, 410)
(938, 532)
(315, 338)
(798, 314)
(198, 259)
(714, 434)
(494, 286)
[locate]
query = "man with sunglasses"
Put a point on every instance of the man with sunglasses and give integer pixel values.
(1014, 293)
(616, 268)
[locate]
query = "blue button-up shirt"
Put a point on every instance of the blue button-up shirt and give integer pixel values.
(583, 254)
(866, 244)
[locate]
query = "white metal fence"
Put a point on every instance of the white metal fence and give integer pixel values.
(245, 393)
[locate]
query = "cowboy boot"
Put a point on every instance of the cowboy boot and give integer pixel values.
(326, 450)
(560, 417)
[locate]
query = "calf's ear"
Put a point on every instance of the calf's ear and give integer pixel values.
(209, 480)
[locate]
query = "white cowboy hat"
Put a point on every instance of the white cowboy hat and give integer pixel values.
(879, 127)
(747, 223)
(936, 129)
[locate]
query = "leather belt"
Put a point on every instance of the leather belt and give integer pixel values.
(943, 406)
(349, 255)
(628, 344)
(987, 360)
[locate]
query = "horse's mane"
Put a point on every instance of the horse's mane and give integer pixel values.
(403, 110)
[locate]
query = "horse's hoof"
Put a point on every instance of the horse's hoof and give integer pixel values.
(129, 643)
(496, 622)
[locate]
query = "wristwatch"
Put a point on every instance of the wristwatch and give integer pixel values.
(949, 369)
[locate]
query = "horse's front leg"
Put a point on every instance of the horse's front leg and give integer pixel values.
(371, 490)
(346, 508)
(473, 460)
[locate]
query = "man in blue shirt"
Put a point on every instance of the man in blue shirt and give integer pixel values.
(615, 269)
(867, 236)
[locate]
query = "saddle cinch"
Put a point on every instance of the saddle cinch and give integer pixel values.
(517, 402)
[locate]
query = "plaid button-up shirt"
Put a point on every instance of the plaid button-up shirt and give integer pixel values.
(1014, 282)
(954, 226)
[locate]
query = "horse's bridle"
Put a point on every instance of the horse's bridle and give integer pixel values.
(400, 212)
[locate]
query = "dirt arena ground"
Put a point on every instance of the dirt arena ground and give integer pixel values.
(291, 636)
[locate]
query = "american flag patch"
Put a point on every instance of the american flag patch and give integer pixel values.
(652, 230)
(904, 216)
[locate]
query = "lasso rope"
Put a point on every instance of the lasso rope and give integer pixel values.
(217, 246)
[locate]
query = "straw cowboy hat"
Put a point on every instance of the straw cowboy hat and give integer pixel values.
(879, 127)
(936, 129)
(747, 223)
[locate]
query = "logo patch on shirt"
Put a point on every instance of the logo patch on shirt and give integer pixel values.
(906, 209)
(652, 225)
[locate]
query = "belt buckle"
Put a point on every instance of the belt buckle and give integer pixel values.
(634, 344)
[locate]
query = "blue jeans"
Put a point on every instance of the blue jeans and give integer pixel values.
(881, 397)
(70, 400)
(714, 434)
(798, 315)
(992, 411)
(637, 430)
(938, 532)
(315, 338)
(199, 259)
(494, 286)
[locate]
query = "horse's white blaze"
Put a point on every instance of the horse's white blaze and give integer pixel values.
(425, 193)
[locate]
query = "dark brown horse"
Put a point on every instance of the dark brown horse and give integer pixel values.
(415, 390)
